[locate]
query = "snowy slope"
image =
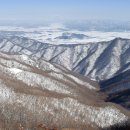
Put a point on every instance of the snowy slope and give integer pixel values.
(98, 61)
(33, 90)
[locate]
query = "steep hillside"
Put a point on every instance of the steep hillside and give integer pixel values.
(118, 89)
(33, 91)
(98, 61)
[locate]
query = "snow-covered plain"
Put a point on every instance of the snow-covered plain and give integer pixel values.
(51, 34)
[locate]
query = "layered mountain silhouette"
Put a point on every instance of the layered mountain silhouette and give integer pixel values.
(77, 86)
(34, 91)
(98, 61)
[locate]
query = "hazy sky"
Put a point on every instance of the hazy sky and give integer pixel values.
(63, 10)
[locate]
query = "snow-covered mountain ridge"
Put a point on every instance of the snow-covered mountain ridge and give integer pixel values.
(33, 90)
(98, 61)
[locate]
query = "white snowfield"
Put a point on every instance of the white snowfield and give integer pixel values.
(50, 34)
(15, 70)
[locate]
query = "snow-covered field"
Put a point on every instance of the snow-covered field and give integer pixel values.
(54, 34)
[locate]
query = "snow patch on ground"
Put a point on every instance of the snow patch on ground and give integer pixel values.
(15, 70)
(24, 57)
(81, 82)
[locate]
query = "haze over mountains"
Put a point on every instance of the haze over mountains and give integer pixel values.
(54, 33)
(74, 79)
